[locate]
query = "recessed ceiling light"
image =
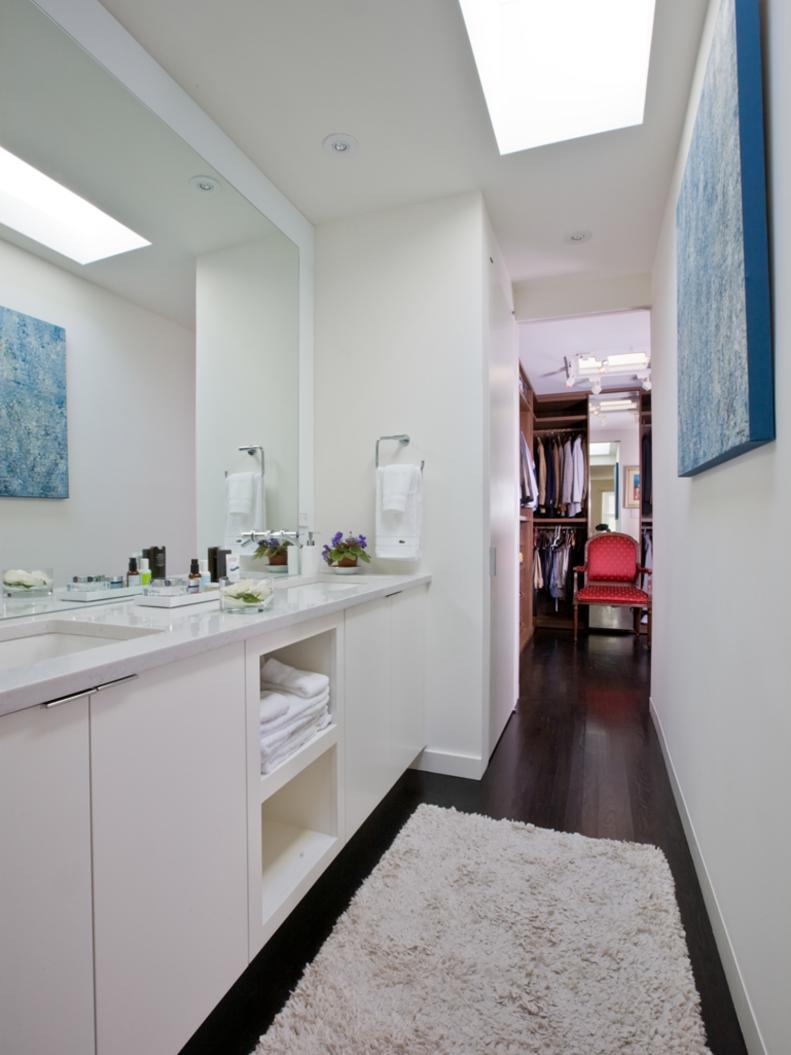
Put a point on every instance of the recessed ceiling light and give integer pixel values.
(578, 237)
(205, 184)
(553, 70)
(47, 212)
(340, 144)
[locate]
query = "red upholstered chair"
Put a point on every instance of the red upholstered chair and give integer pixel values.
(612, 575)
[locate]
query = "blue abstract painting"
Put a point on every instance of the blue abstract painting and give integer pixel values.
(34, 460)
(725, 369)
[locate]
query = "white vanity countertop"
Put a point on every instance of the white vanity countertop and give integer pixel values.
(184, 632)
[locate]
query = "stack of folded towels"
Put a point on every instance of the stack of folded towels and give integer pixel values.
(294, 707)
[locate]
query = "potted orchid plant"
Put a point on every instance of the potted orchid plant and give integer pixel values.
(343, 553)
(276, 549)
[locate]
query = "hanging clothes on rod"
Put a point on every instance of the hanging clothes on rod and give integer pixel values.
(647, 557)
(527, 475)
(556, 551)
(562, 473)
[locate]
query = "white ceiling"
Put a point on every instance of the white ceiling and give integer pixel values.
(543, 345)
(67, 116)
(399, 75)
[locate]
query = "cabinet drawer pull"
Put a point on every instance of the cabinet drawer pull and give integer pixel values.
(397, 592)
(118, 681)
(67, 699)
(87, 692)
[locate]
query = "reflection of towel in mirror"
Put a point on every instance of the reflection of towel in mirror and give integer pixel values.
(245, 506)
(398, 532)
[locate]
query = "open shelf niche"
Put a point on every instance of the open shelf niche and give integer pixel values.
(295, 812)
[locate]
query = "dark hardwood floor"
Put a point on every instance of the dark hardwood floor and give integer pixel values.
(579, 754)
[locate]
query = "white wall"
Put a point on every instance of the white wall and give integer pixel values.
(721, 680)
(503, 469)
(247, 335)
(400, 348)
(557, 296)
(131, 395)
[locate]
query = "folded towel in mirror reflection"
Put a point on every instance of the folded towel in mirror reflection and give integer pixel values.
(399, 511)
(245, 506)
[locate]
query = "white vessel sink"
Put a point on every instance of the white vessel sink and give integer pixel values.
(21, 646)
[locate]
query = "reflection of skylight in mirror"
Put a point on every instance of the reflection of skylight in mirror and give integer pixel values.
(47, 212)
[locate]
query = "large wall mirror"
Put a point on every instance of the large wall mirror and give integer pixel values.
(177, 353)
(614, 456)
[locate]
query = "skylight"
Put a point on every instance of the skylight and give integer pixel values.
(553, 70)
(39, 208)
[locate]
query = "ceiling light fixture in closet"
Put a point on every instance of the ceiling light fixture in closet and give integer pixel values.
(552, 71)
(49, 213)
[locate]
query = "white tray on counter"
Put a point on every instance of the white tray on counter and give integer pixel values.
(177, 600)
(117, 593)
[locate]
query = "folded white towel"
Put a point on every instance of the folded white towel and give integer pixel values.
(273, 706)
(302, 710)
(277, 758)
(274, 741)
(245, 507)
(240, 489)
(398, 483)
(282, 678)
(398, 533)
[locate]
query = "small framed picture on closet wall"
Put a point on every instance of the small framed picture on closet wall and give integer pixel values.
(631, 487)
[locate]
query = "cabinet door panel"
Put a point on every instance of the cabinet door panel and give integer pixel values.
(170, 864)
(46, 949)
(367, 710)
(407, 707)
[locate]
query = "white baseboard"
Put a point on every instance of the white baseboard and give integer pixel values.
(741, 1000)
(450, 764)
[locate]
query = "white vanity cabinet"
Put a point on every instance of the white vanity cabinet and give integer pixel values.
(46, 948)
(170, 850)
(385, 697)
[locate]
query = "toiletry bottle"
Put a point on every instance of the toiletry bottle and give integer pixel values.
(205, 577)
(193, 580)
(309, 556)
(292, 558)
(212, 563)
(133, 575)
(156, 556)
(145, 571)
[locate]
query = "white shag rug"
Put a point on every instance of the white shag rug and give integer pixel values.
(474, 936)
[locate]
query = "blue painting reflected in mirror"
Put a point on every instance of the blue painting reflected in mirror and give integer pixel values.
(725, 369)
(34, 459)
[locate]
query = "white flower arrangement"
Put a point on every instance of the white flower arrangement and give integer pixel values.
(247, 593)
(27, 580)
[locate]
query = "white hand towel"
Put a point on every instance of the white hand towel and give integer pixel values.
(398, 483)
(277, 758)
(274, 742)
(281, 677)
(240, 490)
(241, 516)
(301, 710)
(398, 534)
(274, 705)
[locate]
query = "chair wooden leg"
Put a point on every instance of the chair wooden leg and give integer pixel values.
(576, 621)
(637, 614)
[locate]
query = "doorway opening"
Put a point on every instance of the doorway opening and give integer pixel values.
(585, 465)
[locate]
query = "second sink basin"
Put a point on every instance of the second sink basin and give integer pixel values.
(21, 646)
